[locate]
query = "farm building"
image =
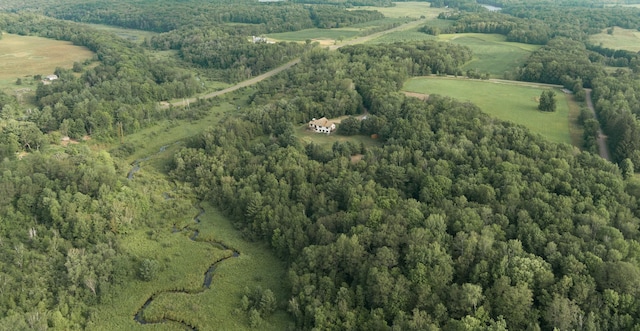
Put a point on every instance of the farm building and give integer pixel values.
(322, 125)
(47, 80)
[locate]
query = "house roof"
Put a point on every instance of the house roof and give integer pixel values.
(321, 122)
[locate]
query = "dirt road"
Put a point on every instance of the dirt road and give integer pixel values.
(603, 148)
(290, 64)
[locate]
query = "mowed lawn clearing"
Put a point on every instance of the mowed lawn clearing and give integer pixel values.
(327, 140)
(27, 55)
(514, 103)
(620, 39)
(492, 53)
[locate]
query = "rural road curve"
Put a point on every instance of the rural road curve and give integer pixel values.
(288, 65)
(602, 139)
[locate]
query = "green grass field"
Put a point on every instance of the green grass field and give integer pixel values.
(183, 264)
(514, 103)
(492, 53)
(402, 36)
(129, 34)
(411, 9)
(326, 37)
(166, 133)
(620, 39)
(184, 261)
(22, 56)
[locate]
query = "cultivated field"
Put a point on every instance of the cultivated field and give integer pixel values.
(620, 39)
(22, 56)
(408, 9)
(514, 103)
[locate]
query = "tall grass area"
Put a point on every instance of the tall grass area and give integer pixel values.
(514, 103)
(492, 53)
(183, 263)
(170, 133)
(219, 307)
(620, 39)
(166, 237)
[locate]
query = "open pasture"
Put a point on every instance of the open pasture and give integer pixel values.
(411, 9)
(492, 53)
(620, 39)
(22, 56)
(514, 103)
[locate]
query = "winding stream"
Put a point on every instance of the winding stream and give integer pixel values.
(136, 164)
(206, 283)
(208, 275)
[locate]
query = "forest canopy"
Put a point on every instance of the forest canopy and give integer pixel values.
(426, 215)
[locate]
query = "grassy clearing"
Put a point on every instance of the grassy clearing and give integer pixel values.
(514, 103)
(377, 23)
(184, 261)
(492, 53)
(325, 140)
(408, 35)
(22, 56)
(183, 264)
(136, 36)
(149, 140)
(620, 39)
(219, 307)
(316, 34)
(411, 9)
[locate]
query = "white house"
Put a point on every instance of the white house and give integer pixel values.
(322, 125)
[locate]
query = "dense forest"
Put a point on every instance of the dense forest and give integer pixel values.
(427, 215)
(457, 221)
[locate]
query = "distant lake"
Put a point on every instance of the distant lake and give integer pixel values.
(492, 8)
